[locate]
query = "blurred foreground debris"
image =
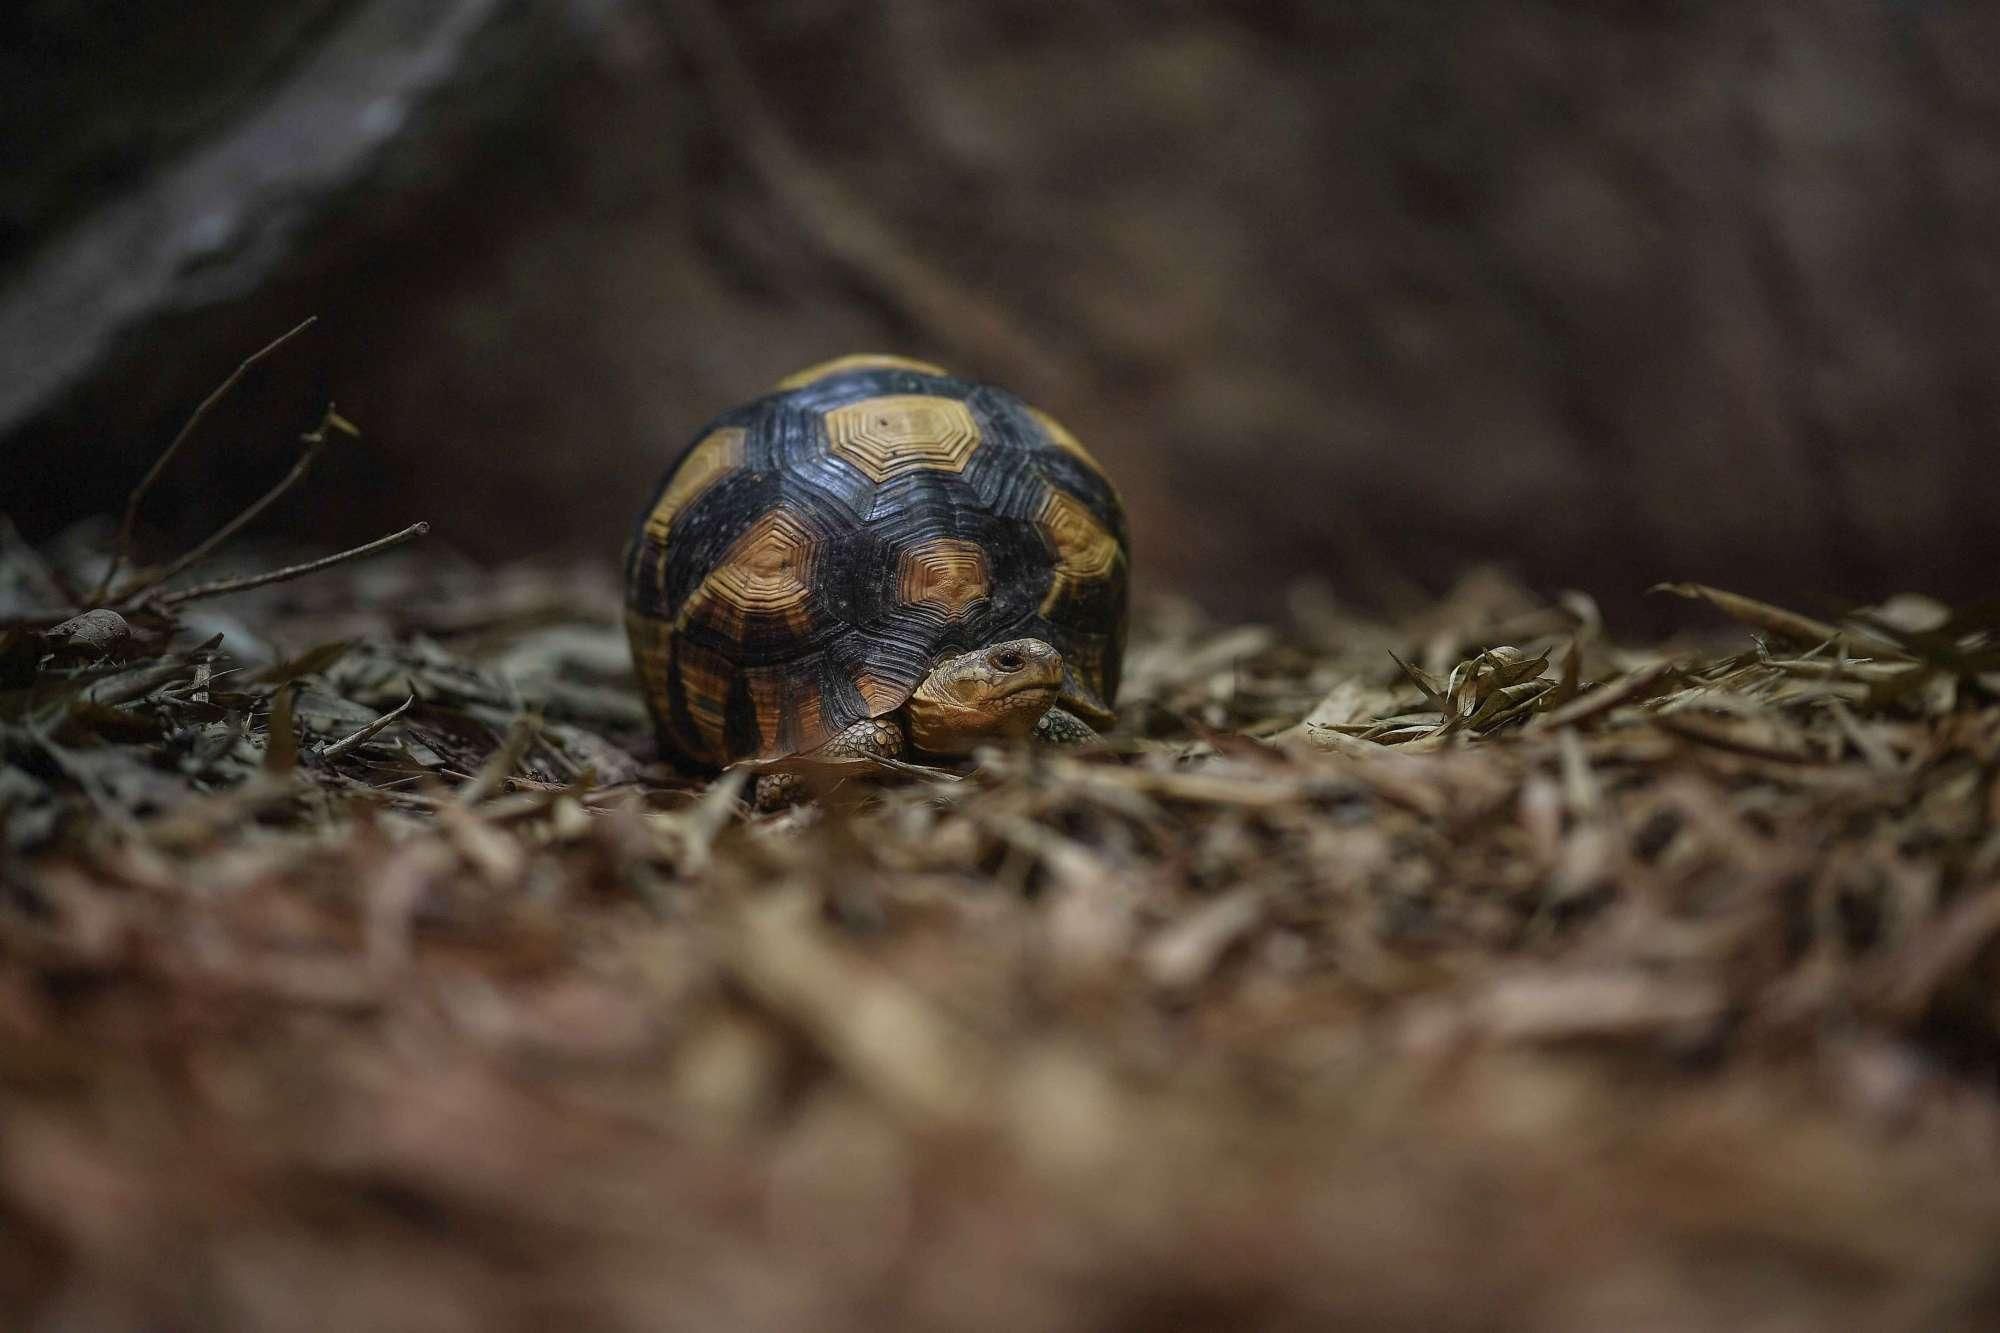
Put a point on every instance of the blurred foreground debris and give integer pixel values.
(358, 970)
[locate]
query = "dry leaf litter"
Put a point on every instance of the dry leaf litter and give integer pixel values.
(1463, 969)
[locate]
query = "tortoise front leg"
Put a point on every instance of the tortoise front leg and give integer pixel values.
(1058, 727)
(870, 738)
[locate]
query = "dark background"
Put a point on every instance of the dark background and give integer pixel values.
(1612, 293)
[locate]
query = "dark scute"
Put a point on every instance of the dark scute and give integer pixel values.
(739, 719)
(837, 671)
(679, 721)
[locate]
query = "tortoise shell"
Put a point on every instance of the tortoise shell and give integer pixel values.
(813, 553)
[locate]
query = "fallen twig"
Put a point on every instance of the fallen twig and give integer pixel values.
(314, 440)
(222, 586)
(334, 749)
(122, 548)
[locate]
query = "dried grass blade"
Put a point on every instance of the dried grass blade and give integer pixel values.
(1774, 620)
(1431, 690)
(336, 748)
(703, 823)
(502, 764)
(1870, 746)
(1685, 727)
(1608, 696)
(1569, 679)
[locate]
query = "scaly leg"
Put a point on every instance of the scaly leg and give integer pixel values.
(872, 737)
(1060, 728)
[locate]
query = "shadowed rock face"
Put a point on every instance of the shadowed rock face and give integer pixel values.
(1614, 296)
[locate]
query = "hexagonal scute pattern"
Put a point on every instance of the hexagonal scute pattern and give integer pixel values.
(1085, 552)
(888, 436)
(806, 562)
(768, 571)
(944, 574)
(880, 696)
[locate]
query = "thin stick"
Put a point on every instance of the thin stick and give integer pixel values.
(346, 743)
(314, 440)
(124, 544)
(221, 586)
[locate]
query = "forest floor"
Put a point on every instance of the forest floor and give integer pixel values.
(1461, 969)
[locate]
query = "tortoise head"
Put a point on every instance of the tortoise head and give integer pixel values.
(993, 693)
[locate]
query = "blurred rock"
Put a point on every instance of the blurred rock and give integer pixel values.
(1363, 291)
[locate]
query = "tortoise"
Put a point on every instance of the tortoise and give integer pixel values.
(876, 558)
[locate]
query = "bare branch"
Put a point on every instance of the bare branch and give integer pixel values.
(221, 586)
(122, 549)
(314, 440)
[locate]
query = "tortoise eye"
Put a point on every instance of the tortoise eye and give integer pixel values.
(1008, 661)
